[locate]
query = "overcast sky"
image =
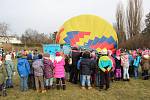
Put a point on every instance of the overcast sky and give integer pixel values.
(48, 15)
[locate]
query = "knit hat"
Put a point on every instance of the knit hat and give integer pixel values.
(57, 53)
(104, 51)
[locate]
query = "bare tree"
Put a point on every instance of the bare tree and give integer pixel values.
(134, 17)
(120, 23)
(3, 29)
(34, 37)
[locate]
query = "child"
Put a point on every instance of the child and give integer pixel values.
(105, 66)
(125, 65)
(23, 68)
(67, 66)
(38, 74)
(59, 71)
(48, 71)
(145, 63)
(2, 79)
(136, 64)
(118, 68)
(9, 69)
(86, 69)
(31, 79)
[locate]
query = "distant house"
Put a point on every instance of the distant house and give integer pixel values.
(9, 39)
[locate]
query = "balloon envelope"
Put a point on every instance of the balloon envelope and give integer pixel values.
(88, 30)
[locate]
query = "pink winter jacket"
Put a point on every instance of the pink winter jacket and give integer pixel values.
(59, 70)
(125, 60)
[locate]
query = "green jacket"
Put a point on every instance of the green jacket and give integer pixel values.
(2, 74)
(9, 68)
(105, 63)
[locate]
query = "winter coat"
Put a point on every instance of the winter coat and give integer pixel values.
(9, 67)
(86, 66)
(30, 60)
(105, 63)
(2, 74)
(145, 63)
(59, 70)
(137, 61)
(125, 60)
(38, 67)
(23, 67)
(118, 63)
(75, 57)
(48, 68)
(67, 65)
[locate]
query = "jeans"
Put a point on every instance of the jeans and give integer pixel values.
(125, 73)
(9, 82)
(136, 72)
(86, 78)
(49, 82)
(24, 83)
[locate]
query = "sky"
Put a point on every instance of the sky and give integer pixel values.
(47, 16)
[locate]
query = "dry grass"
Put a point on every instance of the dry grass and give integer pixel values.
(133, 90)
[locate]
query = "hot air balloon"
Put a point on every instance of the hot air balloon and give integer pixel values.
(88, 30)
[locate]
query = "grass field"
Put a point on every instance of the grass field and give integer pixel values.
(132, 90)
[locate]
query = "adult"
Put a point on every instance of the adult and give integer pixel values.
(75, 55)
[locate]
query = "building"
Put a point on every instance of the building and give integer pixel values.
(9, 39)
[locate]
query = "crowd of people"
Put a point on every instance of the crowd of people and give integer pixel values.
(87, 68)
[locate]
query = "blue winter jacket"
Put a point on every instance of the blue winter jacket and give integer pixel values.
(137, 61)
(23, 67)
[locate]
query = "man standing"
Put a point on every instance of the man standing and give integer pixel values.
(74, 71)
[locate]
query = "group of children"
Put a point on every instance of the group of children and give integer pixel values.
(107, 66)
(38, 71)
(41, 71)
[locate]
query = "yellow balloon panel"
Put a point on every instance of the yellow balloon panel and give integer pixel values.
(89, 29)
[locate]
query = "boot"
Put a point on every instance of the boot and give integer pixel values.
(64, 87)
(46, 87)
(58, 87)
(89, 87)
(107, 87)
(44, 91)
(38, 91)
(4, 92)
(83, 88)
